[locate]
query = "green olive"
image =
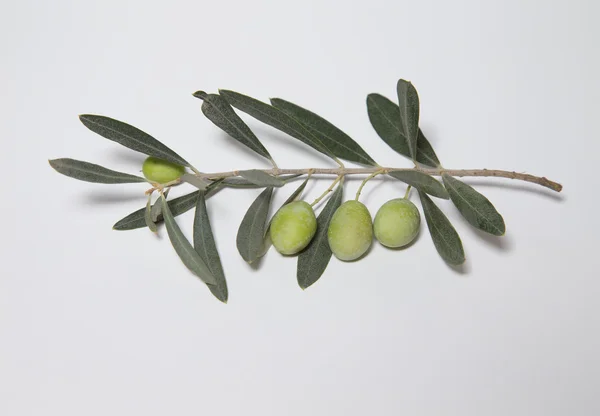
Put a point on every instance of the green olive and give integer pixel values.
(397, 223)
(293, 227)
(350, 231)
(161, 171)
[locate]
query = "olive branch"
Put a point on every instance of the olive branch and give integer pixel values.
(397, 124)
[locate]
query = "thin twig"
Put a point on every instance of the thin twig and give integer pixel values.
(367, 179)
(543, 181)
(316, 201)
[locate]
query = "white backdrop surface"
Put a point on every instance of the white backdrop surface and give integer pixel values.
(96, 322)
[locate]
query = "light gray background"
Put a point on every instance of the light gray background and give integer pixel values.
(98, 322)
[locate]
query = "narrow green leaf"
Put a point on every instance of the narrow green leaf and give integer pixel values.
(218, 110)
(178, 206)
(195, 181)
(204, 244)
(136, 219)
(85, 171)
(258, 177)
(156, 212)
(340, 144)
(444, 236)
(422, 182)
(476, 208)
(313, 261)
(275, 118)
(384, 116)
(425, 153)
(251, 233)
(240, 183)
(148, 215)
(408, 101)
(184, 249)
(267, 243)
(246, 184)
(385, 119)
(293, 197)
(130, 137)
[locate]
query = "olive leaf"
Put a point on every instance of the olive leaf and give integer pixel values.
(340, 144)
(267, 243)
(246, 184)
(184, 249)
(251, 233)
(260, 178)
(425, 153)
(89, 172)
(293, 197)
(218, 110)
(384, 116)
(275, 118)
(313, 261)
(130, 137)
(408, 101)
(476, 208)
(148, 215)
(178, 206)
(421, 181)
(136, 219)
(204, 244)
(444, 236)
(195, 181)
(156, 211)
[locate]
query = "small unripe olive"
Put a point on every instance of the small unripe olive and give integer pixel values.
(293, 227)
(350, 231)
(397, 223)
(161, 171)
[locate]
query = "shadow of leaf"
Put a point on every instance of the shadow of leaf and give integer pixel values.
(108, 197)
(462, 269)
(130, 157)
(502, 243)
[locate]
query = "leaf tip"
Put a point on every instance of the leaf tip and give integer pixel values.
(371, 96)
(200, 94)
